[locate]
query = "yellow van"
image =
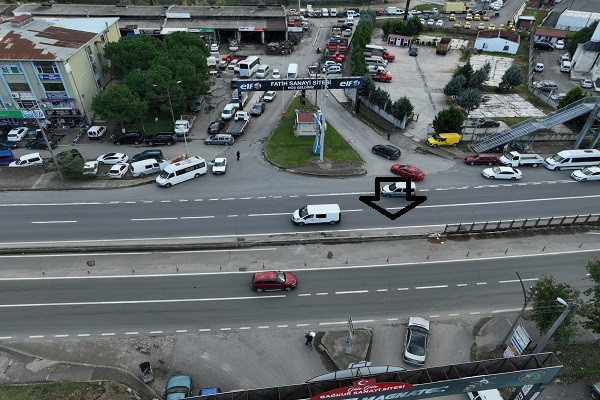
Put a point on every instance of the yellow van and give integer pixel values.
(476, 17)
(443, 139)
(469, 17)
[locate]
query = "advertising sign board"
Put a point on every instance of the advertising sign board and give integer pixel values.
(300, 84)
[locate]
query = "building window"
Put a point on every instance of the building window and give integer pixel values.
(46, 67)
(62, 105)
(27, 104)
(10, 69)
(505, 48)
(53, 87)
(19, 87)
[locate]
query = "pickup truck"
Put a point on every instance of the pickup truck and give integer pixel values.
(239, 123)
(184, 124)
(384, 54)
(382, 76)
(515, 159)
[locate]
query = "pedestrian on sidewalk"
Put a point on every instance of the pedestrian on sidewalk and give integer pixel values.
(308, 338)
(238, 155)
(389, 135)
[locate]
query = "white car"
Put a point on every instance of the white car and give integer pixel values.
(439, 22)
(586, 83)
(539, 67)
(558, 96)
(415, 344)
(219, 165)
(17, 134)
(112, 158)
(269, 96)
(236, 69)
(90, 168)
(423, 21)
(431, 22)
(502, 173)
(276, 74)
(232, 64)
(28, 160)
(587, 174)
(214, 47)
(328, 63)
(559, 45)
(117, 171)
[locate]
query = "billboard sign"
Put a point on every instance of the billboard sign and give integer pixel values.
(300, 84)
(518, 342)
(362, 387)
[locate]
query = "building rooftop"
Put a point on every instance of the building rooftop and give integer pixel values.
(304, 117)
(48, 38)
(581, 14)
(498, 33)
(559, 33)
(151, 12)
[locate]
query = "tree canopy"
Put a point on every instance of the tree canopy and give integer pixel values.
(449, 120)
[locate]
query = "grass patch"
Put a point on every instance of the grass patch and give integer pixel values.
(150, 127)
(423, 7)
(538, 14)
(286, 150)
(66, 390)
(510, 121)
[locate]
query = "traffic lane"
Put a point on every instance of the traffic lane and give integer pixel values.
(232, 286)
(275, 217)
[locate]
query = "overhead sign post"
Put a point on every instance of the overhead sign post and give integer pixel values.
(300, 84)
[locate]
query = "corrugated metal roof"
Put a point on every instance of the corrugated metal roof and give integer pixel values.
(48, 39)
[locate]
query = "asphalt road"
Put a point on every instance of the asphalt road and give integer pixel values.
(267, 210)
(120, 305)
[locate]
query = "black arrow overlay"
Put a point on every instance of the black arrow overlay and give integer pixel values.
(371, 200)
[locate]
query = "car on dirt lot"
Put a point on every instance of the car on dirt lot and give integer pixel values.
(274, 280)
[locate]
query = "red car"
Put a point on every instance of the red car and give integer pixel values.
(378, 13)
(274, 280)
(408, 171)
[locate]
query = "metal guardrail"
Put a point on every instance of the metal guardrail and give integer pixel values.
(521, 224)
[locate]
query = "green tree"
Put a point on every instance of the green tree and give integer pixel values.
(590, 310)
(513, 76)
(118, 102)
(132, 53)
(368, 86)
(449, 120)
(455, 86)
(479, 77)
(546, 310)
(357, 61)
(572, 96)
(380, 97)
(466, 70)
(401, 107)
(580, 36)
(469, 99)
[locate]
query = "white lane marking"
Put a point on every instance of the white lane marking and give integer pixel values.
(108, 334)
(267, 214)
(129, 202)
(5, 337)
(204, 330)
(165, 201)
(276, 197)
(229, 198)
(60, 336)
(481, 283)
(338, 194)
(475, 313)
(244, 327)
(304, 294)
(53, 222)
(83, 335)
(332, 323)
(96, 303)
(505, 311)
(245, 198)
(203, 217)
(293, 197)
(263, 327)
(301, 325)
(431, 287)
(282, 326)
(453, 315)
(262, 197)
(154, 219)
(197, 199)
(363, 321)
(356, 210)
(461, 284)
(434, 316)
(131, 333)
(322, 294)
(232, 215)
(352, 292)
(181, 331)
(213, 199)
(183, 200)
(225, 329)
(36, 337)
(382, 290)
(155, 332)
(516, 280)
(392, 319)
(403, 288)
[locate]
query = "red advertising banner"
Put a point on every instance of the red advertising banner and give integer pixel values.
(364, 386)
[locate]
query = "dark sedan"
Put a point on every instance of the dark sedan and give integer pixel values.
(40, 144)
(8, 145)
(488, 123)
(215, 127)
(258, 108)
(162, 139)
(387, 151)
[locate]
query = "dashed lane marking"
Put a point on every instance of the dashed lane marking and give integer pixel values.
(352, 292)
(431, 287)
(53, 222)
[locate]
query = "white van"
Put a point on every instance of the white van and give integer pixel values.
(565, 66)
(212, 62)
(28, 160)
(292, 72)
(492, 394)
(96, 132)
(573, 159)
(398, 189)
(324, 13)
(317, 214)
(228, 111)
(144, 167)
(182, 171)
(376, 60)
(332, 12)
(262, 71)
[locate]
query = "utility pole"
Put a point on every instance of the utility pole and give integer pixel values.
(527, 296)
(554, 327)
(39, 123)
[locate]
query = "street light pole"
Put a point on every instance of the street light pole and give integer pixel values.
(527, 296)
(187, 150)
(39, 123)
(554, 327)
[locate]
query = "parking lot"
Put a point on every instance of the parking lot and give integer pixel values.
(552, 71)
